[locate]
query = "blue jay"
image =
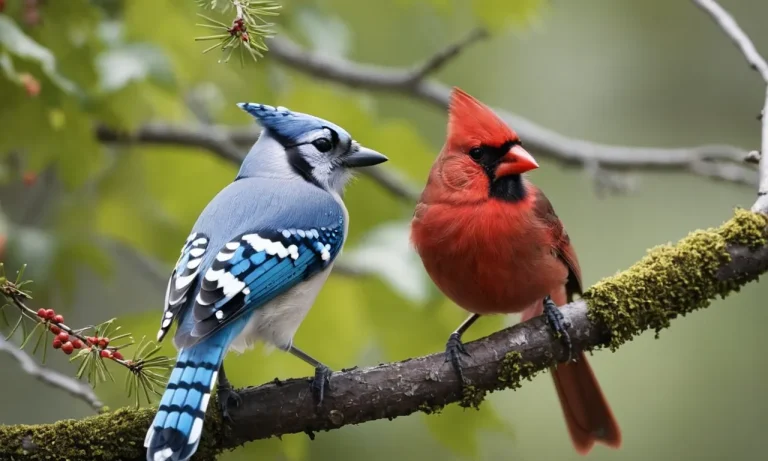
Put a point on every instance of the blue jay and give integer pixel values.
(253, 264)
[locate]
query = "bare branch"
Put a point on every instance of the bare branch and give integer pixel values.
(229, 146)
(739, 37)
(439, 59)
(703, 266)
(204, 137)
(758, 63)
(77, 389)
(543, 141)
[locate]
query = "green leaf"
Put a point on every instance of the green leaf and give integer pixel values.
(458, 428)
(497, 15)
(78, 153)
(15, 41)
(387, 252)
(123, 64)
(34, 247)
(328, 34)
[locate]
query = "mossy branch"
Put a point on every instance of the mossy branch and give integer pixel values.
(671, 281)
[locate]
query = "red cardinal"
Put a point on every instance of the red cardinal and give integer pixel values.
(491, 241)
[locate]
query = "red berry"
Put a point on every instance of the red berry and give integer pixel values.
(41, 313)
(63, 336)
(92, 340)
(77, 344)
(56, 343)
(67, 347)
(29, 178)
(117, 355)
(58, 319)
(103, 342)
(54, 329)
(50, 314)
(106, 353)
(244, 37)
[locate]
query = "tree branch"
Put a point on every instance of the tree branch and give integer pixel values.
(720, 162)
(758, 63)
(53, 378)
(699, 268)
(230, 147)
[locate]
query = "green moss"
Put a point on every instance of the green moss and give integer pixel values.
(429, 409)
(472, 397)
(116, 436)
(513, 369)
(671, 280)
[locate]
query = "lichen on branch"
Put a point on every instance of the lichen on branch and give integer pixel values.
(115, 436)
(672, 280)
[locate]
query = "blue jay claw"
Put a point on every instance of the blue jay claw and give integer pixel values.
(558, 324)
(321, 383)
(226, 396)
(454, 349)
(226, 393)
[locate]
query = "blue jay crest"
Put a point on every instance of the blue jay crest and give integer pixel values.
(317, 150)
(287, 126)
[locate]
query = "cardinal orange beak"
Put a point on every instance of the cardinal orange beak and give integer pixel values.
(516, 161)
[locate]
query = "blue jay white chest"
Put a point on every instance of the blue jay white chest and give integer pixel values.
(276, 322)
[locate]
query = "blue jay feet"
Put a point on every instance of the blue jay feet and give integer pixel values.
(226, 395)
(558, 324)
(321, 383)
(454, 348)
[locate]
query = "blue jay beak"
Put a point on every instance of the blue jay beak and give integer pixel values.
(363, 157)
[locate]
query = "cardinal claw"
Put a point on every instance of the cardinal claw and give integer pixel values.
(559, 325)
(321, 383)
(454, 349)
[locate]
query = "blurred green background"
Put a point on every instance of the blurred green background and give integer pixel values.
(101, 227)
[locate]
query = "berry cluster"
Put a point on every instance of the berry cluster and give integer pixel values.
(67, 340)
(238, 29)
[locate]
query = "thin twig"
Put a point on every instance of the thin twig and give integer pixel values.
(441, 58)
(758, 63)
(91, 350)
(51, 377)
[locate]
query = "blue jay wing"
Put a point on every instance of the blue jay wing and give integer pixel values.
(182, 278)
(253, 268)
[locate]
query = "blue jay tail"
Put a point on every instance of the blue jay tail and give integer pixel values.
(175, 432)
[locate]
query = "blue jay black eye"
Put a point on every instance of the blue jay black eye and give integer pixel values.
(322, 144)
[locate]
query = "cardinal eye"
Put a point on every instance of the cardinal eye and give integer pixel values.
(476, 153)
(322, 144)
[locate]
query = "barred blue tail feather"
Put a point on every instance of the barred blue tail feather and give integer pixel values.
(175, 432)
